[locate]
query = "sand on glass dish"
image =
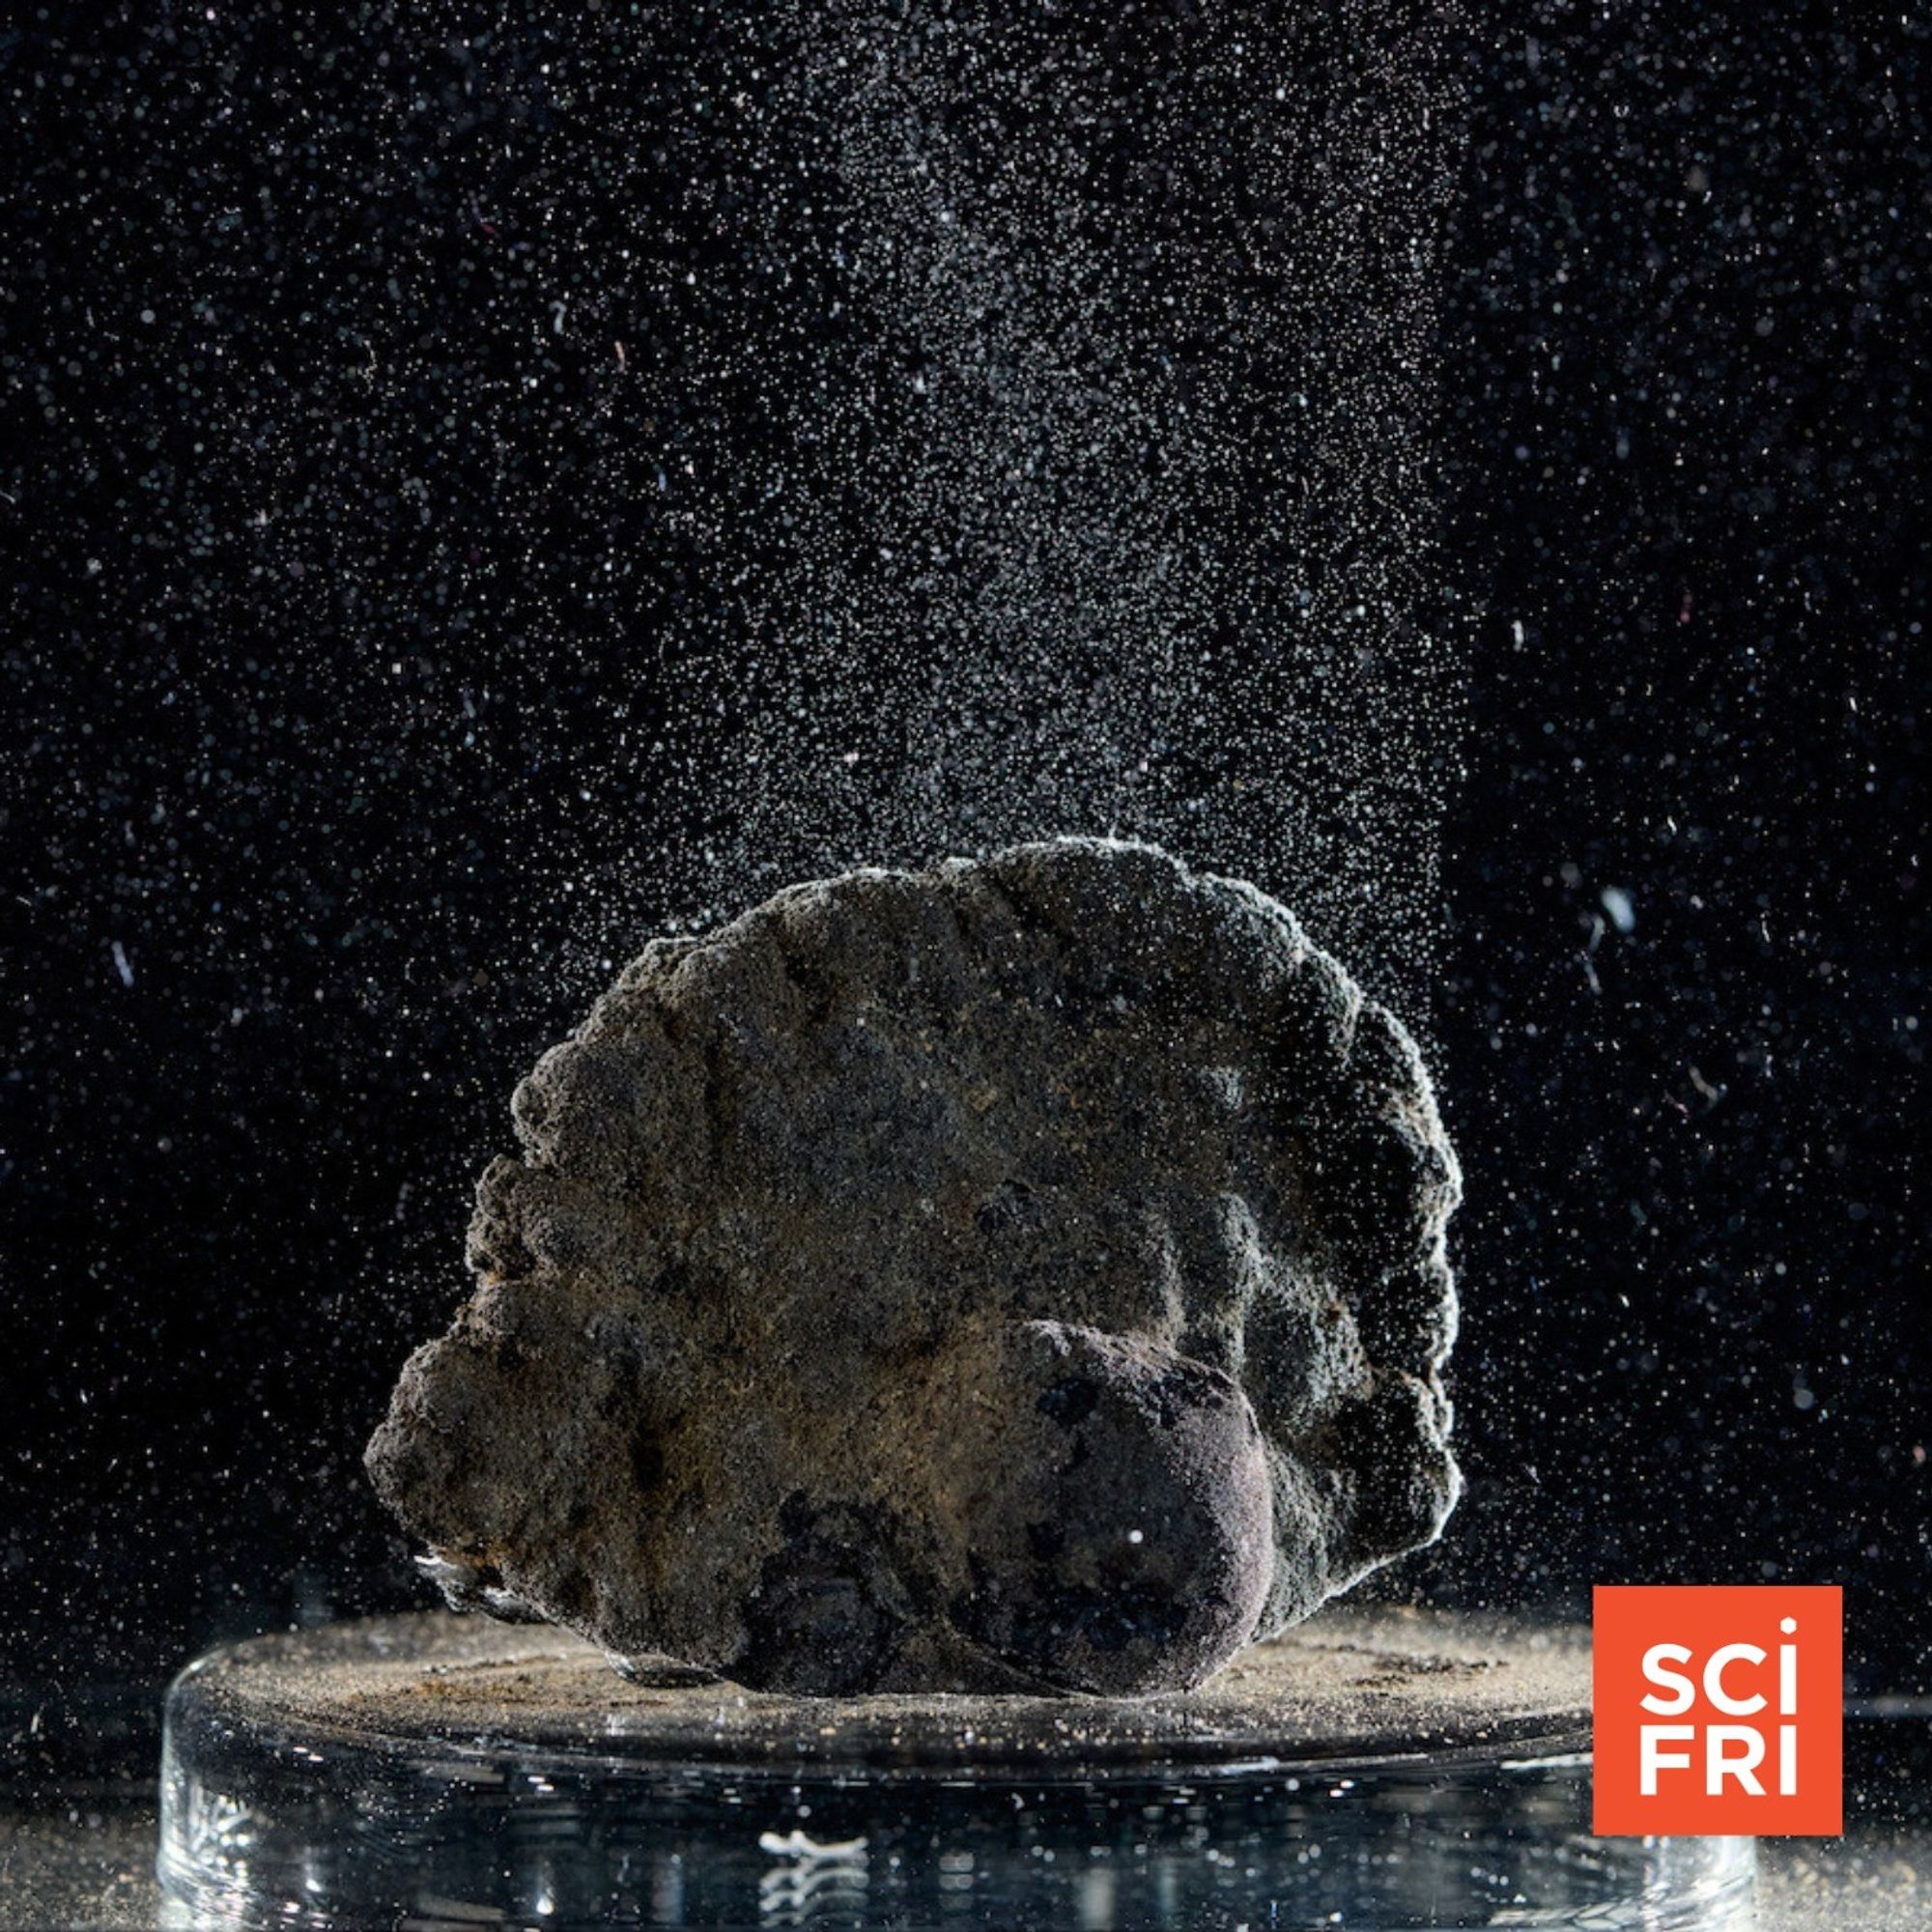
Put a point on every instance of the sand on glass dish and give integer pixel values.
(1395, 1768)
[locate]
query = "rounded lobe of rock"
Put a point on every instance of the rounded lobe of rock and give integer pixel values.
(1108, 1502)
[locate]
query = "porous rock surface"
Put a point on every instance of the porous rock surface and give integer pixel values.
(1027, 1274)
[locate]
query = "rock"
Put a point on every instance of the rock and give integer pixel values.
(1026, 1274)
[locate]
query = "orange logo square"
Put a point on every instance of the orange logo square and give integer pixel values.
(1718, 1712)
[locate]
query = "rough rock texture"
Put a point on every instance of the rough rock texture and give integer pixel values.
(1025, 1274)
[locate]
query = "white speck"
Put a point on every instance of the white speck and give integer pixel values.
(121, 965)
(1618, 904)
(799, 1845)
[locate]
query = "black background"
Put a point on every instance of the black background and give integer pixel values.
(1684, 427)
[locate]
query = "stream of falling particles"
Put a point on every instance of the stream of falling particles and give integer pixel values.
(846, 433)
(656, 453)
(1048, 442)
